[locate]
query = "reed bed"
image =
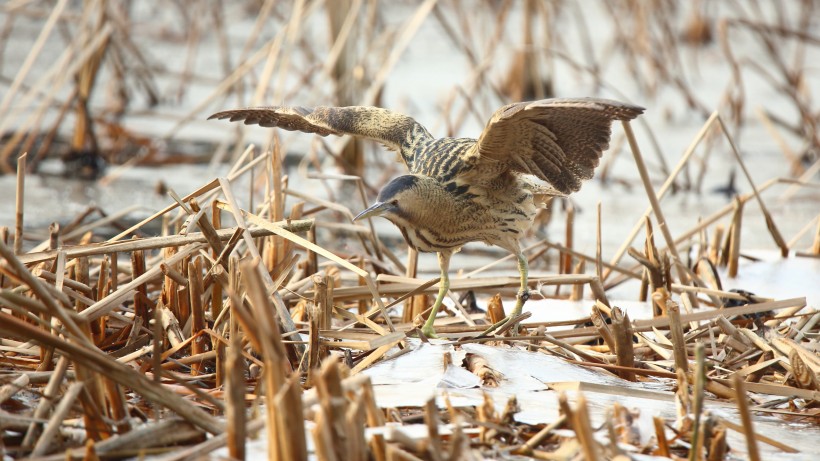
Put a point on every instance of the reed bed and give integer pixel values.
(243, 318)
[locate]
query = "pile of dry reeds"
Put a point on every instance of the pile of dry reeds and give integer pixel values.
(109, 344)
(237, 324)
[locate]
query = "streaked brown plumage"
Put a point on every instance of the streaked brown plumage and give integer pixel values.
(461, 190)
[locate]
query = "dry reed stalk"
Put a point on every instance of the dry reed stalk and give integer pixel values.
(408, 31)
(288, 403)
(333, 405)
(767, 440)
(315, 320)
(413, 305)
(598, 251)
(770, 224)
(44, 292)
(60, 413)
(660, 436)
(31, 57)
(622, 335)
(695, 452)
(579, 255)
(198, 322)
(535, 246)
(377, 354)
(322, 438)
(118, 408)
(577, 292)
(59, 71)
(676, 336)
(583, 429)
(670, 181)
(319, 250)
(495, 309)
(732, 252)
(108, 304)
(265, 335)
(99, 362)
(566, 260)
(542, 435)
(19, 202)
(342, 15)
(403, 285)
(152, 243)
(141, 309)
(653, 198)
(8, 390)
(49, 397)
(603, 329)
(718, 448)
(243, 68)
(803, 374)
(745, 417)
(86, 76)
(434, 447)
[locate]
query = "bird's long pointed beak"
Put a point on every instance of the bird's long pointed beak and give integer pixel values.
(373, 210)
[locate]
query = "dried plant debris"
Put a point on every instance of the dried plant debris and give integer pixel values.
(252, 317)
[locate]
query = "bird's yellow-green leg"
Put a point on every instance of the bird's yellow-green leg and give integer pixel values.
(523, 296)
(444, 286)
(523, 291)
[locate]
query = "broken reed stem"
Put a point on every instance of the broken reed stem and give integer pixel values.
(660, 436)
(315, 325)
(198, 323)
(18, 203)
(598, 251)
(577, 292)
(566, 259)
(622, 329)
(676, 336)
(815, 248)
(434, 449)
(603, 329)
(733, 255)
(745, 417)
(583, 429)
(697, 406)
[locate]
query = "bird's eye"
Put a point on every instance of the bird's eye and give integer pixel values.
(395, 203)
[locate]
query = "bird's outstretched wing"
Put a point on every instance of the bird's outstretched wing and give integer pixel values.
(396, 131)
(558, 140)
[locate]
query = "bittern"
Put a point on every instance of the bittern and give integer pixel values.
(461, 190)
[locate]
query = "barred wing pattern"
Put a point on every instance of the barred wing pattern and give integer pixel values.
(558, 140)
(396, 131)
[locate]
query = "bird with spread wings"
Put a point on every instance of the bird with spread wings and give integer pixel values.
(462, 190)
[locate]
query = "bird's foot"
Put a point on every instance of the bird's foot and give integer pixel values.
(522, 297)
(429, 331)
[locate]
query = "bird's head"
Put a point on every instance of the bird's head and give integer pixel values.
(397, 199)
